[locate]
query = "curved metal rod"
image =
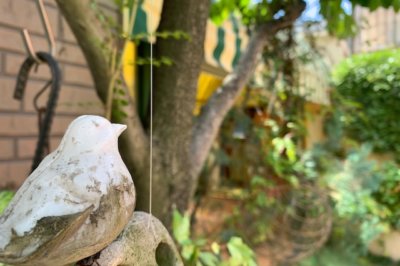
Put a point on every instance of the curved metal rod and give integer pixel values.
(22, 79)
(37, 96)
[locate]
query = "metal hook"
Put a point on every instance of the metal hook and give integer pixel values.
(49, 34)
(28, 46)
(49, 31)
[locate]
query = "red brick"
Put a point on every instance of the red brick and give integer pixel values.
(7, 101)
(14, 172)
(6, 148)
(71, 100)
(66, 31)
(11, 40)
(77, 75)
(25, 14)
(54, 142)
(60, 124)
(74, 100)
(18, 125)
(71, 53)
(26, 125)
(26, 147)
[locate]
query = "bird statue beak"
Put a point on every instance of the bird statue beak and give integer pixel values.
(118, 129)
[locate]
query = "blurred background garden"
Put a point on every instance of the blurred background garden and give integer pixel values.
(297, 165)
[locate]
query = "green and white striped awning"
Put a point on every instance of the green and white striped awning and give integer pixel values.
(222, 45)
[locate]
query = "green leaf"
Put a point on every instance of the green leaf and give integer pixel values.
(258, 181)
(5, 198)
(396, 5)
(240, 253)
(189, 252)
(374, 4)
(180, 226)
(208, 259)
(262, 200)
(290, 147)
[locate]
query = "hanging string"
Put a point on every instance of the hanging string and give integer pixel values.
(151, 127)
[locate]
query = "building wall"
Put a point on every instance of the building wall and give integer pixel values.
(18, 120)
(379, 29)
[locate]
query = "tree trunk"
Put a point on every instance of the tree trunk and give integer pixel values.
(175, 89)
(180, 146)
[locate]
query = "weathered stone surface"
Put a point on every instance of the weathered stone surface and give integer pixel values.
(74, 204)
(144, 241)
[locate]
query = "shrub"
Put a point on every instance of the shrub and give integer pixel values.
(366, 99)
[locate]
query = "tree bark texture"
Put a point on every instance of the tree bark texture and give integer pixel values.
(181, 143)
(175, 89)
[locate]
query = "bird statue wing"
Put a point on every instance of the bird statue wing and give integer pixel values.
(48, 234)
(47, 208)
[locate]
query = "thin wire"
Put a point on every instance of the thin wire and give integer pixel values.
(151, 128)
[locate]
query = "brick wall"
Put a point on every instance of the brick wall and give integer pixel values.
(18, 120)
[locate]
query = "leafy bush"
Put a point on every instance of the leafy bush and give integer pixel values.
(366, 99)
(366, 203)
(197, 252)
(353, 186)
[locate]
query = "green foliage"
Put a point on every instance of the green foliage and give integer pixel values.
(196, 252)
(366, 100)
(374, 4)
(340, 22)
(283, 158)
(340, 256)
(166, 61)
(110, 46)
(364, 193)
(387, 194)
(365, 200)
(251, 218)
(241, 254)
(181, 226)
(177, 35)
(250, 12)
(5, 198)
(353, 186)
(345, 248)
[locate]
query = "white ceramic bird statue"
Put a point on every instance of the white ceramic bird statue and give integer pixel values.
(74, 204)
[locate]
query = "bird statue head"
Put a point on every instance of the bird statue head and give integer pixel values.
(91, 132)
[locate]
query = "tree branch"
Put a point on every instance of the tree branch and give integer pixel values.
(82, 20)
(213, 113)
